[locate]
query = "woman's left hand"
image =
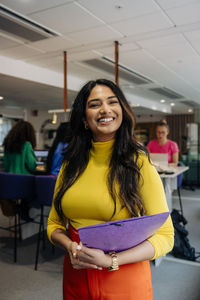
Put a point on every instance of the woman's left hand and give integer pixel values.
(94, 256)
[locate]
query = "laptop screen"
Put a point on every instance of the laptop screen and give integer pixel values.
(41, 156)
(159, 158)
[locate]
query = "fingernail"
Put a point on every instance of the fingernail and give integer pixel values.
(74, 254)
(99, 268)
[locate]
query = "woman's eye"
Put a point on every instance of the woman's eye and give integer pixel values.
(93, 105)
(113, 102)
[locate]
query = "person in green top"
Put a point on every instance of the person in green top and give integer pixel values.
(19, 157)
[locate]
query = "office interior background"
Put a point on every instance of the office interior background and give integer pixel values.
(158, 63)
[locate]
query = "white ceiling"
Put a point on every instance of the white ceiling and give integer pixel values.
(157, 39)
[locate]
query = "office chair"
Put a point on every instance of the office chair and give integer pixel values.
(16, 187)
(44, 190)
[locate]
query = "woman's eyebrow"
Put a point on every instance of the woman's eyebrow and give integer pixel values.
(111, 97)
(98, 99)
(95, 99)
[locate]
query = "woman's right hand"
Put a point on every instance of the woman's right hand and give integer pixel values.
(76, 263)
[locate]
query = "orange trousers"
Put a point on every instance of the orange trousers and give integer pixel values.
(130, 282)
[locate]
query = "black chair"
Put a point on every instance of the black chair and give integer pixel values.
(14, 188)
(44, 190)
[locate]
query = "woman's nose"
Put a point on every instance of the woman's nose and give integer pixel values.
(104, 109)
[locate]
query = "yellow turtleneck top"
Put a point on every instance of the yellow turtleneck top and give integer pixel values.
(88, 202)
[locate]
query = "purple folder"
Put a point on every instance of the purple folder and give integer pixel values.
(122, 234)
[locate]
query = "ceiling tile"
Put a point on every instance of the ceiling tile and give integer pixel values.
(20, 52)
(66, 18)
(7, 43)
(147, 23)
(82, 56)
(145, 64)
(54, 44)
(43, 56)
(178, 51)
(109, 11)
(27, 7)
(110, 50)
(193, 35)
(93, 35)
(87, 73)
(174, 3)
(196, 45)
(185, 14)
(191, 64)
(53, 63)
(162, 41)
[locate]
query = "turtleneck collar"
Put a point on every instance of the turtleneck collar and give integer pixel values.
(102, 149)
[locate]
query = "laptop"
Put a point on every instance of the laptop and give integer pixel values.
(159, 158)
(41, 156)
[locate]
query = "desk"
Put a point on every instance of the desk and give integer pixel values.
(170, 183)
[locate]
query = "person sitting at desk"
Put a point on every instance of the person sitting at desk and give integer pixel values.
(55, 155)
(19, 157)
(163, 145)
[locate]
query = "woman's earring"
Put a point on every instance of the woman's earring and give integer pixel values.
(86, 125)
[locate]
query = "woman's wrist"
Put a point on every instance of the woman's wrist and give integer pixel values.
(115, 264)
(109, 261)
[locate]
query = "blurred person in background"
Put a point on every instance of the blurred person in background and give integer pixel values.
(163, 145)
(57, 150)
(19, 157)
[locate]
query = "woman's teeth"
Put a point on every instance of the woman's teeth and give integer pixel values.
(106, 120)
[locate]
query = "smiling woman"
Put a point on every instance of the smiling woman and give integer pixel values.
(103, 113)
(106, 176)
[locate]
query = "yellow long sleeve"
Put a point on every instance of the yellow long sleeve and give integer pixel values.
(153, 196)
(88, 201)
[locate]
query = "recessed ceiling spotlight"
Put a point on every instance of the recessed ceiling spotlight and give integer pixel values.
(1, 97)
(162, 100)
(172, 104)
(190, 110)
(154, 107)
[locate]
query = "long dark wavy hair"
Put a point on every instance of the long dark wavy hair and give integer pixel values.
(20, 133)
(63, 136)
(123, 169)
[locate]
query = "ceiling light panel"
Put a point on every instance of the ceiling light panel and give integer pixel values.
(22, 27)
(124, 73)
(29, 6)
(166, 92)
